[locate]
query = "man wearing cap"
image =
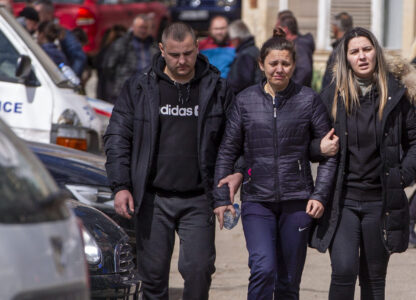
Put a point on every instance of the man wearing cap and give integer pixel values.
(29, 19)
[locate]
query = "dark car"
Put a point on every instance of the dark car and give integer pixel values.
(84, 176)
(198, 13)
(110, 258)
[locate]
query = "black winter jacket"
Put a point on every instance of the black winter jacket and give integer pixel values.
(120, 63)
(131, 136)
(274, 139)
(304, 46)
(398, 155)
(245, 70)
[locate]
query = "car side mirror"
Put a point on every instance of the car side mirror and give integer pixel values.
(24, 66)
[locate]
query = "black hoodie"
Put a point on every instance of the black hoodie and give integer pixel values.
(363, 168)
(175, 167)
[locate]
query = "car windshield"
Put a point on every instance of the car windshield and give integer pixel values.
(27, 191)
(50, 67)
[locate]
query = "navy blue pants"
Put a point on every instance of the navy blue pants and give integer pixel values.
(276, 238)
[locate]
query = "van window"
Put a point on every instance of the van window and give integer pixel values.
(8, 63)
(8, 60)
(27, 192)
(54, 73)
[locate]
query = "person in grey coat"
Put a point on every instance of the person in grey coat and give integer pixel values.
(245, 70)
(342, 23)
(129, 55)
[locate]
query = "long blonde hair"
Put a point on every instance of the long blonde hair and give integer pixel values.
(345, 84)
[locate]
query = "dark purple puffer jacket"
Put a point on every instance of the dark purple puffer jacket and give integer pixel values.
(274, 136)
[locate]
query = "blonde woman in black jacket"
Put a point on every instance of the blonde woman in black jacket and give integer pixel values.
(373, 114)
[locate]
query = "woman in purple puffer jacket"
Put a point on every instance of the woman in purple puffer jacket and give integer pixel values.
(272, 125)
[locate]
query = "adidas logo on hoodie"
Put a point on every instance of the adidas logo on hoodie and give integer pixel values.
(177, 111)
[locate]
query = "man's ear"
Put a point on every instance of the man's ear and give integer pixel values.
(161, 49)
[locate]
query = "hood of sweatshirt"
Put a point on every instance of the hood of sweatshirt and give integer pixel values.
(201, 69)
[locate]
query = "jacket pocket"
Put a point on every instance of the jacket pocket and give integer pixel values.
(394, 178)
(302, 173)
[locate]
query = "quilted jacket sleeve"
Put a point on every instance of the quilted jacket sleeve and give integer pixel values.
(325, 178)
(230, 150)
(118, 140)
(315, 145)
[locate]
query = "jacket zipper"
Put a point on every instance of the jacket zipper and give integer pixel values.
(275, 147)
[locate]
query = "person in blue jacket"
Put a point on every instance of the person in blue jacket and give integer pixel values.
(47, 34)
(272, 124)
(217, 46)
(70, 46)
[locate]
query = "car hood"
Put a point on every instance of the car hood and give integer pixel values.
(71, 166)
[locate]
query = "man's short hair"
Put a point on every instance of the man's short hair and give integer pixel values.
(290, 23)
(144, 17)
(218, 17)
(46, 4)
(284, 13)
(343, 21)
(238, 30)
(177, 31)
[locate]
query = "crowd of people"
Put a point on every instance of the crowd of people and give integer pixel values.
(194, 121)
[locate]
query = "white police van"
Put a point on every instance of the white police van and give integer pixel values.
(36, 100)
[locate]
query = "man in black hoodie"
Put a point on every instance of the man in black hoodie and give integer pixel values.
(161, 146)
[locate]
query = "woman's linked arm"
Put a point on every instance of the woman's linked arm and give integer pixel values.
(320, 126)
(230, 150)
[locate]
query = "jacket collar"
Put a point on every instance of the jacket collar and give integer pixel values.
(248, 42)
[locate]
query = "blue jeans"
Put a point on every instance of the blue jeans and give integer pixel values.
(276, 238)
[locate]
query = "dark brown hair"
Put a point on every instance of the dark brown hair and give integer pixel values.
(177, 31)
(277, 42)
(51, 31)
(290, 23)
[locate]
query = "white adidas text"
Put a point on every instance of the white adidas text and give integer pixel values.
(169, 110)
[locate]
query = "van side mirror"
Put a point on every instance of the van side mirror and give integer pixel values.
(24, 66)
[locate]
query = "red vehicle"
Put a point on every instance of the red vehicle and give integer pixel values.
(97, 16)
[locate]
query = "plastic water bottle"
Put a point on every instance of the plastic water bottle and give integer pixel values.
(229, 220)
(69, 74)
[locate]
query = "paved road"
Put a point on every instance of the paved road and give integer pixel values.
(231, 278)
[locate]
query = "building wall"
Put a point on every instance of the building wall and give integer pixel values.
(375, 15)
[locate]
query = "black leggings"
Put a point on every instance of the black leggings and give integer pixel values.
(357, 249)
